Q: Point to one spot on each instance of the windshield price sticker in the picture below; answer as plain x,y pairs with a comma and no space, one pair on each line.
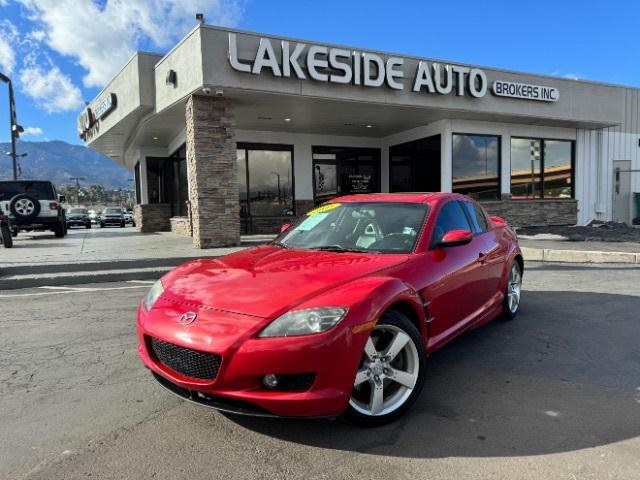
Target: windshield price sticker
323,209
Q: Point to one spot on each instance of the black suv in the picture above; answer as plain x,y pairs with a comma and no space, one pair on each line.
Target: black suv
78,217
112,216
33,205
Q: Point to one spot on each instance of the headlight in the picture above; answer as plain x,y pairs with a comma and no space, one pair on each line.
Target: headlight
153,295
304,322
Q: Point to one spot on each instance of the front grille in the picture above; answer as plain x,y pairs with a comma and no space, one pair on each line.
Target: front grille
185,361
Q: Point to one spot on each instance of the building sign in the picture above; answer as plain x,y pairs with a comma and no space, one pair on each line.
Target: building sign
525,91
105,107
87,121
342,66
337,65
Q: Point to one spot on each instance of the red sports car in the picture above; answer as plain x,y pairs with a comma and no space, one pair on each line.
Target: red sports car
338,315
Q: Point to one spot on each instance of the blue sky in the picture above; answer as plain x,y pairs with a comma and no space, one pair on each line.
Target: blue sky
59,53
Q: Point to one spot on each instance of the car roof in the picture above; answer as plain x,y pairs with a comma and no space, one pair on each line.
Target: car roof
409,197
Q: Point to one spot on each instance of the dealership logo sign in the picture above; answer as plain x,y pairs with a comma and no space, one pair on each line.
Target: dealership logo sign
337,65
525,91
341,66
87,121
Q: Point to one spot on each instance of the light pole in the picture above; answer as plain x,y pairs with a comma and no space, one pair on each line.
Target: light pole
18,155
16,129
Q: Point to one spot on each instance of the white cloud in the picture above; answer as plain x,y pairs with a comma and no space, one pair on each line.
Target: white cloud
571,76
32,132
8,34
7,57
51,89
102,36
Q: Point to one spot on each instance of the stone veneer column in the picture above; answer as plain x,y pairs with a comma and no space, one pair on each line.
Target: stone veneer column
212,172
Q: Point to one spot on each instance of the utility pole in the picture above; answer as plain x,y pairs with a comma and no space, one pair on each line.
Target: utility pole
16,129
77,179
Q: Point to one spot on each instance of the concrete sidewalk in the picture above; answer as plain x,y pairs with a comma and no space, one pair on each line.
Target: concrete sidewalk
100,255
552,249
106,245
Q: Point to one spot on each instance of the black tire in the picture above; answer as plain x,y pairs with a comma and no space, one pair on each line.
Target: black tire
58,230
7,238
101,225
88,226
18,203
509,313
14,232
397,321
122,225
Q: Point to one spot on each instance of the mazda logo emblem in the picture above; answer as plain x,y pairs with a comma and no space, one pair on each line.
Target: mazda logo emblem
187,318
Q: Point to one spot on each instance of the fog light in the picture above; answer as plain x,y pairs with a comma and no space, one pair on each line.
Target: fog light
270,380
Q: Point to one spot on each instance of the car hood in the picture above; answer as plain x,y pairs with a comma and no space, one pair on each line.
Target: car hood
266,281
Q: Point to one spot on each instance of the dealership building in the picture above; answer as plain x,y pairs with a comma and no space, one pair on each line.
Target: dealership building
235,132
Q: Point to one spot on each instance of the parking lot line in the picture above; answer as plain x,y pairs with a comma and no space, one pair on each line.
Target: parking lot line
59,290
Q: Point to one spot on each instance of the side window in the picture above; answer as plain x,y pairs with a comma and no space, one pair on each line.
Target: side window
476,216
481,217
451,217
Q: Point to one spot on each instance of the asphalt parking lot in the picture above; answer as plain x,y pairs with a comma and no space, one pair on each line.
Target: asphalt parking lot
554,394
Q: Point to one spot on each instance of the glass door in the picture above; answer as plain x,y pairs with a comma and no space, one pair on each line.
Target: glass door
344,171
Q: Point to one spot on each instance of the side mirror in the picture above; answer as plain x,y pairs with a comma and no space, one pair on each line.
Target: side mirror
62,198
455,238
284,227
498,220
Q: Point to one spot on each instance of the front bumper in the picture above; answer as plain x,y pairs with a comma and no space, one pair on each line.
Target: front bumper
112,221
332,356
78,222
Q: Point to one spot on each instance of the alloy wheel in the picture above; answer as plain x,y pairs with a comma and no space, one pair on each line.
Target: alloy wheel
388,372
24,207
514,288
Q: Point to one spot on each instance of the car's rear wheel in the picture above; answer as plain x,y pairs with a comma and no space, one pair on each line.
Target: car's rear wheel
391,373
7,238
513,293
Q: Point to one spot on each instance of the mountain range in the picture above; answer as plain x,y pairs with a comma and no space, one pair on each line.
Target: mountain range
59,161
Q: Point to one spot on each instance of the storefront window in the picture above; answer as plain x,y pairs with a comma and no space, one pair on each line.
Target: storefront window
476,166
541,168
415,166
265,178
526,162
558,172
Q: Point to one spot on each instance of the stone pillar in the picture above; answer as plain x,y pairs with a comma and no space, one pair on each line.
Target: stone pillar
212,172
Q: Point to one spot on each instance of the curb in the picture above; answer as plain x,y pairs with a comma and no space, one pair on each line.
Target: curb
15,282
578,256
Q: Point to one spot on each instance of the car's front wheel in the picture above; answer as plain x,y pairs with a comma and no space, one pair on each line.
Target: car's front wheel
391,372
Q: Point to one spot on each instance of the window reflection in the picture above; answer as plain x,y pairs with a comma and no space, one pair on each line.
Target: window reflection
526,157
557,169
265,181
541,168
475,166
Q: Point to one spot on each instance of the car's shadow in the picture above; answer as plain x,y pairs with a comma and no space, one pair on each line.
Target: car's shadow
563,376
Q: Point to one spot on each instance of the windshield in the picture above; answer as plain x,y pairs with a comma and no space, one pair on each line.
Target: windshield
112,211
78,211
38,190
376,227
